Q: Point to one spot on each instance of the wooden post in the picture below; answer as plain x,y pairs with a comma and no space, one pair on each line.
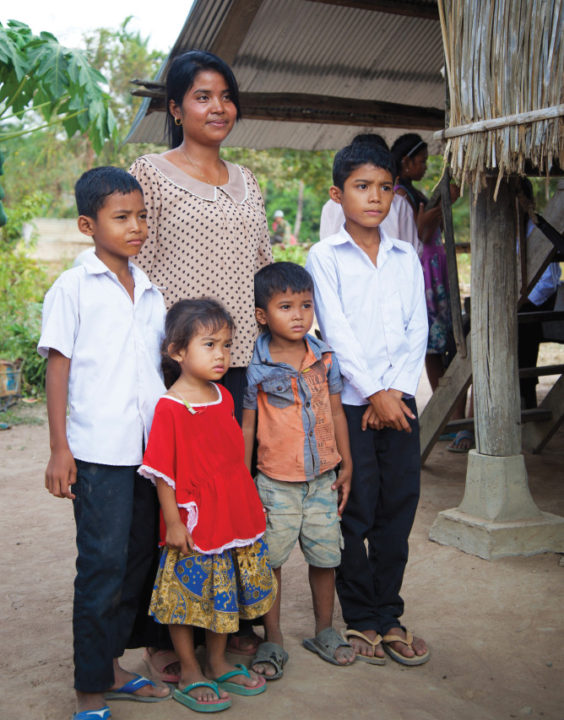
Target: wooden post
494,322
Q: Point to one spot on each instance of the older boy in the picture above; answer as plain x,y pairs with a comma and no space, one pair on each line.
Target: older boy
102,327
370,305
294,386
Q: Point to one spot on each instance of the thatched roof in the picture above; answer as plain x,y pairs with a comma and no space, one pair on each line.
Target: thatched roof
505,68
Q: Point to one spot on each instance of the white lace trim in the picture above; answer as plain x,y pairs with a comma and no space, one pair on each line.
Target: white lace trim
232,544
152,475
192,519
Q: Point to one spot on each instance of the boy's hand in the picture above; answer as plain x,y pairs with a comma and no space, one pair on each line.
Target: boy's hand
60,474
343,486
371,420
177,536
390,409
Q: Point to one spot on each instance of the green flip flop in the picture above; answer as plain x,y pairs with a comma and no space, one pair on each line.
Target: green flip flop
235,688
182,697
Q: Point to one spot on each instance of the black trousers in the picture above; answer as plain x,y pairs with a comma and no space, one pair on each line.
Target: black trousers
528,341
380,510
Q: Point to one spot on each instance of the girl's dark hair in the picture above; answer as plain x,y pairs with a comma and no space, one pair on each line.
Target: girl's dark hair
182,75
407,145
351,157
278,278
184,319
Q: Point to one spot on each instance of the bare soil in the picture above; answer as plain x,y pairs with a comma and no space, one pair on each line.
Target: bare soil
495,628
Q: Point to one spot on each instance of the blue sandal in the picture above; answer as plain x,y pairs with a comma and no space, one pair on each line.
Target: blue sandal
237,689
101,714
127,691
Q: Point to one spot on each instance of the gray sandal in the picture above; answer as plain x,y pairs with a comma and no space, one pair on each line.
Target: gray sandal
269,652
325,644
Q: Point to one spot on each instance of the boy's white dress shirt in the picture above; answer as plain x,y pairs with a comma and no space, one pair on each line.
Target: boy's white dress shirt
373,317
114,347
398,223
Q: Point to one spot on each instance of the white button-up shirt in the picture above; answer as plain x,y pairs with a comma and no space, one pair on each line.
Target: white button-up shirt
373,316
114,346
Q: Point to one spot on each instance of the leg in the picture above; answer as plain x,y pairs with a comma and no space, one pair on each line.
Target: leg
217,665
190,671
322,584
435,369
272,630
102,510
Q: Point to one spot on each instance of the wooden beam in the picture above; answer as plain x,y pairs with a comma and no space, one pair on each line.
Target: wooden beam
536,436
395,7
298,107
234,29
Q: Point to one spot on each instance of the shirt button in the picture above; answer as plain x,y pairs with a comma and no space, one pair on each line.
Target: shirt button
279,387
308,404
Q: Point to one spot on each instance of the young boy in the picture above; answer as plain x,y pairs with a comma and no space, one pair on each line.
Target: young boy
294,387
370,304
102,326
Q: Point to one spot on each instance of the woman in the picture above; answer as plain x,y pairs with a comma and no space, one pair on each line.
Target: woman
410,154
208,232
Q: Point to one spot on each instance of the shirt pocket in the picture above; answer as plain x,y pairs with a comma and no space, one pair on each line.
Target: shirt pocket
279,392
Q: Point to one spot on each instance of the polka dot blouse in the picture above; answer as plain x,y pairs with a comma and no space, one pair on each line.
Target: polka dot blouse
205,241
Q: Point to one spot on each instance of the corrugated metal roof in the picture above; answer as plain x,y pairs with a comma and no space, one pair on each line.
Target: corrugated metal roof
296,46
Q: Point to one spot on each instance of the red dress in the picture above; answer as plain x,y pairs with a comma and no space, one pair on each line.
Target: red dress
200,452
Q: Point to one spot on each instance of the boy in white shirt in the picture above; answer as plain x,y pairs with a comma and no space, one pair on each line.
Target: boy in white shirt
370,304
103,323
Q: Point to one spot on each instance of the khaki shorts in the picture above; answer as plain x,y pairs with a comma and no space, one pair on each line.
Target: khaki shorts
304,511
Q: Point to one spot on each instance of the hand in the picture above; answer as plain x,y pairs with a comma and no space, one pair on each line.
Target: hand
60,474
178,537
391,410
371,420
343,486
454,191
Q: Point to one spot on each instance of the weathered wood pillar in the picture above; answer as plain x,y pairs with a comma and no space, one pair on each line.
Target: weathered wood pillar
497,516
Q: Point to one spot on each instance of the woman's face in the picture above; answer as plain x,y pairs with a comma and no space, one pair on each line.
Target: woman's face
416,166
207,111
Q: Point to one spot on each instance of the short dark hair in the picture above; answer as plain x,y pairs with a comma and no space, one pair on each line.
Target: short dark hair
408,145
280,277
94,186
370,138
182,75
184,319
356,154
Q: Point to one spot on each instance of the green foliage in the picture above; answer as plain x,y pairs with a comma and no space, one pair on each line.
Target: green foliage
22,286
24,212
44,84
290,253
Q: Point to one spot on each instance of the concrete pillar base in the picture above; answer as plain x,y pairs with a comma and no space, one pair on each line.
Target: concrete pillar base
492,540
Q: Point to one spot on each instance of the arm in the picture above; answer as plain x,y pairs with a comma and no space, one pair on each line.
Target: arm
249,426
60,474
177,535
343,482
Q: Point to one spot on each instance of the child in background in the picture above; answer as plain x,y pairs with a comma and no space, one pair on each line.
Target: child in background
294,387
214,565
102,327
370,304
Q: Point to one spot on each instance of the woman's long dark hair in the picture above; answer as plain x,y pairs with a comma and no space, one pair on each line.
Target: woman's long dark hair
182,75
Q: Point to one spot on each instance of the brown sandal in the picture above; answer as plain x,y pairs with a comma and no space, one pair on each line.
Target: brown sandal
407,640
370,659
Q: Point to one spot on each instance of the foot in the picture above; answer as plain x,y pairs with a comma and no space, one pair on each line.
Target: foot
220,667
463,442
121,677
361,647
201,694
163,664
418,646
244,644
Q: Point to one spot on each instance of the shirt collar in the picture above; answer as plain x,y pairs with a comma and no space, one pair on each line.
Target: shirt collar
235,187
94,266
315,347
386,241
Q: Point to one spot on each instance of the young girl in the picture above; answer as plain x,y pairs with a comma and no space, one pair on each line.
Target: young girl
214,566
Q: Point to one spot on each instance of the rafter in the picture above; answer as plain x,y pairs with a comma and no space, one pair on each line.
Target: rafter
411,8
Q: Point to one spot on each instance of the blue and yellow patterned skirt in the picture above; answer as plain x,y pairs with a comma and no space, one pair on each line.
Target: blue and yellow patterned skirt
213,591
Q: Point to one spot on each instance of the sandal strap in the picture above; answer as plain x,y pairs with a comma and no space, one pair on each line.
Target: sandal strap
209,684
240,670
392,637
357,633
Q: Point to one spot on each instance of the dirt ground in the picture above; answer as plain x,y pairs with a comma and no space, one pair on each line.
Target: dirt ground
496,629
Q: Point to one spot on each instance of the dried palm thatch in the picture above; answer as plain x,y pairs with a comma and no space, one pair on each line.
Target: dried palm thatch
505,67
